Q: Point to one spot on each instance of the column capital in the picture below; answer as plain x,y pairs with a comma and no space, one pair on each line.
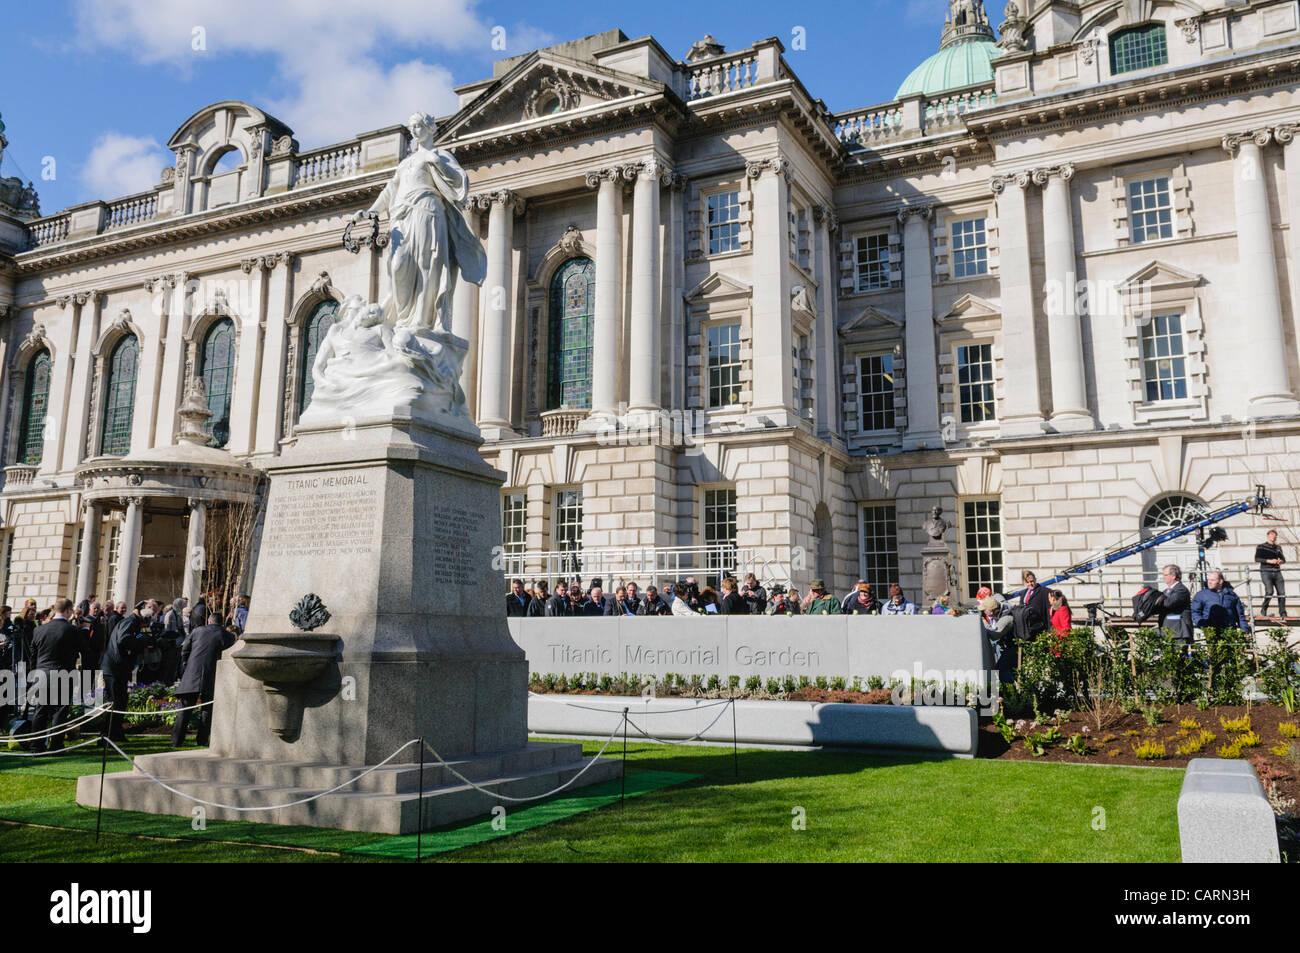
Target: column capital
755,168
1043,174
825,216
511,199
1020,180
612,174
908,211
1286,133
266,262
194,502
1234,140
131,500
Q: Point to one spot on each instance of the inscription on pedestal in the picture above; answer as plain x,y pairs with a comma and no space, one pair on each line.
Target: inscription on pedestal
455,535
326,515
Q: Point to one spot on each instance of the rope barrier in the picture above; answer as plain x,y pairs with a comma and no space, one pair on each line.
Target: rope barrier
40,754
271,807
36,735
698,736
536,797
670,711
90,716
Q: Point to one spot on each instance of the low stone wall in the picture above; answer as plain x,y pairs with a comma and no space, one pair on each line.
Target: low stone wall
928,729
1223,815
767,646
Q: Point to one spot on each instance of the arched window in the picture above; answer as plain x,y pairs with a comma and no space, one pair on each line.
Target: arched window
36,401
1138,47
568,377
218,378
1170,512
313,332
119,397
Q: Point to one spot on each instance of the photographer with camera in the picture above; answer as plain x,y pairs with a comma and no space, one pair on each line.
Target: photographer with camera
754,594
781,603
134,635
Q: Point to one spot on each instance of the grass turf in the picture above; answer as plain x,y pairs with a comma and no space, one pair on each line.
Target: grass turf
854,808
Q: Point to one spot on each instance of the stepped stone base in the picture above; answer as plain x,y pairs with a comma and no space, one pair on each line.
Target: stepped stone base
385,801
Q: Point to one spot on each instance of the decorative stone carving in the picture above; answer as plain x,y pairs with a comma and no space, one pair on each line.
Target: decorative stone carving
936,559
704,48
1191,28
321,286
571,241
551,95
1285,134
310,613
168,175
756,167
1233,141
801,300
283,146
35,338
1088,50
1043,173
907,211
1012,30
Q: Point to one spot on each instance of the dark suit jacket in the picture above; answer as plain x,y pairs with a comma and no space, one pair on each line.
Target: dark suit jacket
517,606
1041,603
56,645
1178,607
199,655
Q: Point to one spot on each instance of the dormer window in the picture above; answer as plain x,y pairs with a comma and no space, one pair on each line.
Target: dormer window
1139,47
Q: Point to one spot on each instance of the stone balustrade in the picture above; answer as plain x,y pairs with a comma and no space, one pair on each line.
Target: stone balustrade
48,230
860,128
562,422
131,210
864,126
332,162
20,474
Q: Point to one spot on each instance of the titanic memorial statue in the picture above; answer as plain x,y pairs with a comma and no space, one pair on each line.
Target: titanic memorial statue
368,636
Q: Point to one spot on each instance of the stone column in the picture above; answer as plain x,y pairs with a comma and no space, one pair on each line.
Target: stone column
643,376
64,337
244,401
83,369
922,374
826,365
195,556
1065,337
89,555
1288,137
771,340
464,323
276,365
169,356
494,398
607,311
1023,414
128,553
1257,304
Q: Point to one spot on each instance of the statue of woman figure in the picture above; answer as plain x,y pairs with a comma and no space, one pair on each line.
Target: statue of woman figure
430,244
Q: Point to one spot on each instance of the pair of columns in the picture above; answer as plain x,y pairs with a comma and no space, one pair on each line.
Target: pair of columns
1258,305
493,374
128,554
1070,413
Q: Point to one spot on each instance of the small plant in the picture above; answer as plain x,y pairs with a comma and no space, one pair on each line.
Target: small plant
1004,727
875,682
1189,724
1230,749
790,684
857,683
838,684
1107,738
1235,725
1152,715
753,683
804,681
1113,752
1035,745
773,686
1077,744
821,682
733,682
1281,749
1203,703
1052,735
1249,740
1132,733
548,682
1288,729
714,683
1190,746
1149,750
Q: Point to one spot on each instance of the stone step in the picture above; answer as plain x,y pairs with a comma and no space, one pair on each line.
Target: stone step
389,779
382,812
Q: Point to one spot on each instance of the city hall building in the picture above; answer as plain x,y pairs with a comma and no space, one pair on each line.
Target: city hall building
1051,287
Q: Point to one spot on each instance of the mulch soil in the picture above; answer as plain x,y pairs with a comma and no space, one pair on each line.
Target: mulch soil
1114,741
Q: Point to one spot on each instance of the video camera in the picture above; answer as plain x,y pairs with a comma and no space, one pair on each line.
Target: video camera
776,589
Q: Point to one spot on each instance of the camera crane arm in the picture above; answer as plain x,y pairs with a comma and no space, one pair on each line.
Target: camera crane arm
1258,503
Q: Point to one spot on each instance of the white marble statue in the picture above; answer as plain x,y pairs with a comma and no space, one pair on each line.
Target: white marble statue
399,357
429,241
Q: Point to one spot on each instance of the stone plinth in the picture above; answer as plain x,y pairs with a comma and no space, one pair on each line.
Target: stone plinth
391,525
1224,816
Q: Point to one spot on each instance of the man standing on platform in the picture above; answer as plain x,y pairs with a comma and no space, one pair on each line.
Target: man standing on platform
1269,556
55,648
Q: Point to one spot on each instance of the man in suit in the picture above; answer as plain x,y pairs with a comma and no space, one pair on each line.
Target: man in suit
55,648
558,604
1176,605
199,614
518,600
125,644
199,656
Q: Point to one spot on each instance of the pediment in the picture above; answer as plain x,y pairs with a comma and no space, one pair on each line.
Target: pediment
970,306
870,318
542,85
718,285
1157,274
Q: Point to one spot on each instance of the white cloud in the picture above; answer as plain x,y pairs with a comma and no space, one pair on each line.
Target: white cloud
120,165
334,61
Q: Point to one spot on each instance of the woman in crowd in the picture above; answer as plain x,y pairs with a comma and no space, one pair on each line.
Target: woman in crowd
1060,613
733,603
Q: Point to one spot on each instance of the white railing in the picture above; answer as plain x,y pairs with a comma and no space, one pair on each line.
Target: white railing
47,231
725,74
19,474
332,162
562,422
946,111
646,566
864,126
131,210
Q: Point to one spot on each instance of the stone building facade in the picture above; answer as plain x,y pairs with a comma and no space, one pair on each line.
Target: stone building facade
1052,287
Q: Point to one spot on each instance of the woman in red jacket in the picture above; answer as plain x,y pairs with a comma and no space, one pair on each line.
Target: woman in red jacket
1060,613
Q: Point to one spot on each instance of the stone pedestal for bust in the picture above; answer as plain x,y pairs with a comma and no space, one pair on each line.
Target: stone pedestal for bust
391,524
936,571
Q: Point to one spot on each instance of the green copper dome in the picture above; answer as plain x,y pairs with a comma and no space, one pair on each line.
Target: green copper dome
963,63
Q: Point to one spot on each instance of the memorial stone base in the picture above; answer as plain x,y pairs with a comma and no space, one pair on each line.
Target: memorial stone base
376,618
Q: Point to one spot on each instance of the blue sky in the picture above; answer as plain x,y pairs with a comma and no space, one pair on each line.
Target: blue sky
94,88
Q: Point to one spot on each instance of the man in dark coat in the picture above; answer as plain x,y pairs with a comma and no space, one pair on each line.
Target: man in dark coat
55,648
199,614
518,600
558,604
199,655
652,604
1176,606
1217,606
123,650
537,608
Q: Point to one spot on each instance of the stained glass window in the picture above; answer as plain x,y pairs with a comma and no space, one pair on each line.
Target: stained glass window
568,376
119,403
218,378
35,404
318,324
1138,48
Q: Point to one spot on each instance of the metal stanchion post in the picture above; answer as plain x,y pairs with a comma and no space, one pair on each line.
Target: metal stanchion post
735,749
622,794
419,824
103,768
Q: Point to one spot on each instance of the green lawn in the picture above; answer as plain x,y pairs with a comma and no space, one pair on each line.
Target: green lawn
854,808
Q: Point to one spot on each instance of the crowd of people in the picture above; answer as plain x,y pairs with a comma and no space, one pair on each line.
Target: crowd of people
687,598
176,645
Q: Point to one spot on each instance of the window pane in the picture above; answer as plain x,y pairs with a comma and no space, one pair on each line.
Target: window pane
1140,47
1164,366
31,444
969,252
119,402
724,222
724,364
568,373
313,333
975,399
873,261
879,541
876,392
982,555
1150,210
719,531
218,378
